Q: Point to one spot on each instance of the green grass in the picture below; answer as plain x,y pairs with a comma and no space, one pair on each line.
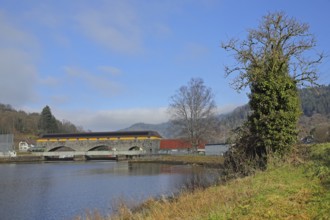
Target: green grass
286,191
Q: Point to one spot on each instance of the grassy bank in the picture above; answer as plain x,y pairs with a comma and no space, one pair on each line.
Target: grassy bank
289,191
214,161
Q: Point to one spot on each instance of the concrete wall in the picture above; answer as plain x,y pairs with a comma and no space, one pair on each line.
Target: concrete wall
216,149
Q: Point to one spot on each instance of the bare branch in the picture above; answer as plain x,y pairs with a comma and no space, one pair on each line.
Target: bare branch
192,109
276,35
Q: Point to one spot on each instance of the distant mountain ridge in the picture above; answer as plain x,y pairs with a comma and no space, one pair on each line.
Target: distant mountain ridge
163,128
226,121
313,101
315,104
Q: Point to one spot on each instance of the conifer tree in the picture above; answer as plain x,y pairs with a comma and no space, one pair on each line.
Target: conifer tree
47,122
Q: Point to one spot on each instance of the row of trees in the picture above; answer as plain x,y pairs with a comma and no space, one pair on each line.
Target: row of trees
20,122
272,63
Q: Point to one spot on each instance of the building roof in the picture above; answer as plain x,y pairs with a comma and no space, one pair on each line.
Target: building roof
104,134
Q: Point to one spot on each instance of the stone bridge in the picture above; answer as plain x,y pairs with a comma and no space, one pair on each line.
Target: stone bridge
143,141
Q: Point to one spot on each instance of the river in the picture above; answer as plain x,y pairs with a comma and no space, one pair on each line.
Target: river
64,190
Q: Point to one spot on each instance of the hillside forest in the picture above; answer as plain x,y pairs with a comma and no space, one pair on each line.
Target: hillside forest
28,126
314,121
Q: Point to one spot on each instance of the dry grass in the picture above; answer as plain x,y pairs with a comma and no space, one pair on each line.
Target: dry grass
289,191
195,159
279,194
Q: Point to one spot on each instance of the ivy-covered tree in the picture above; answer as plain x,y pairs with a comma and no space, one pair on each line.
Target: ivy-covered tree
276,109
47,122
272,63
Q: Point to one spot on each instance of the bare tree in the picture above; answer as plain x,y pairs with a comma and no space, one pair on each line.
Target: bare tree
280,36
192,111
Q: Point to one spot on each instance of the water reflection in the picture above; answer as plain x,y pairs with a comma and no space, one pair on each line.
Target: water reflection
156,169
65,190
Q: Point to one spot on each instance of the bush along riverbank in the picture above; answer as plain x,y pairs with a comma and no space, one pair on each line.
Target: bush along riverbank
296,189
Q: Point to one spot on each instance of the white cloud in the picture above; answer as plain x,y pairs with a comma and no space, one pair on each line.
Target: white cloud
75,71
45,14
18,74
110,120
115,26
192,52
110,69
14,37
227,108
97,82
49,81
161,30
18,77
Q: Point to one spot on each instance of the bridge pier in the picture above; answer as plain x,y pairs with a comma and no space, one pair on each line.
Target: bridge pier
90,155
79,158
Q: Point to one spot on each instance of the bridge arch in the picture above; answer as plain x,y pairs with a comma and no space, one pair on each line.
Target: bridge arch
101,148
61,148
135,148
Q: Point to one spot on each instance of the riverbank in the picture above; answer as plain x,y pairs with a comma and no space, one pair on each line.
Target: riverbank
297,189
21,158
28,157
199,160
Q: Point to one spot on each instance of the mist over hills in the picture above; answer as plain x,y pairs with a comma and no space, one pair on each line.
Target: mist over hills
163,128
315,120
315,106
225,123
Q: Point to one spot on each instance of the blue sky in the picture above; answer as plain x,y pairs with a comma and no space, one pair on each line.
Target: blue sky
106,65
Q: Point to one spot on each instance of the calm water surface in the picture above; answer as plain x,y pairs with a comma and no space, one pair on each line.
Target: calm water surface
67,189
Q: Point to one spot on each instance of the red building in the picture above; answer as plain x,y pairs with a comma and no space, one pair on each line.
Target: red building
177,145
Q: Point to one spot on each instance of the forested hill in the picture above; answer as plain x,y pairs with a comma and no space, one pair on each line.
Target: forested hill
32,124
314,122
315,100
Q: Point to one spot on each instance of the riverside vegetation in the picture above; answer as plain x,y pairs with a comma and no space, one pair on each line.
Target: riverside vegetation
298,188
209,161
